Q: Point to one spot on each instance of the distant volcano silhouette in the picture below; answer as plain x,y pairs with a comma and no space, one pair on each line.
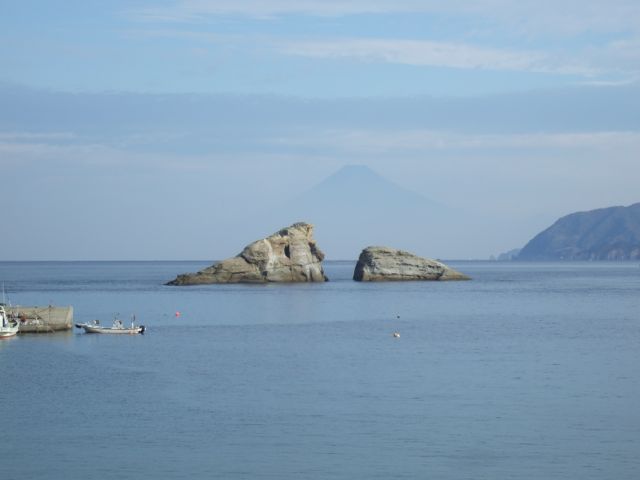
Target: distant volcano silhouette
359,186
355,207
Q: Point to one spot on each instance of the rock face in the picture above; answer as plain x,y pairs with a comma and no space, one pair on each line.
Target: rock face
605,234
290,255
384,263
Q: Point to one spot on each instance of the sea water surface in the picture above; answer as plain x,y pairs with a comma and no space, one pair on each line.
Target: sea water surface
529,371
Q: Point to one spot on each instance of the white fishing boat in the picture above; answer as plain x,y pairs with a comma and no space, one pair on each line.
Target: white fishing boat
8,326
117,327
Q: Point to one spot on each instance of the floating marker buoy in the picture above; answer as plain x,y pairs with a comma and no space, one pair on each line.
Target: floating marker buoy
177,314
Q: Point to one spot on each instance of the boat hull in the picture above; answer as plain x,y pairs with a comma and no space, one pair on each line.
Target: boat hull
111,330
9,331
8,326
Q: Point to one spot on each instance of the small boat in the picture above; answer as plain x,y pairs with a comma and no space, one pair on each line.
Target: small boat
8,326
117,327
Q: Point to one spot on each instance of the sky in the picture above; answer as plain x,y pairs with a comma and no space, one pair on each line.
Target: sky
162,130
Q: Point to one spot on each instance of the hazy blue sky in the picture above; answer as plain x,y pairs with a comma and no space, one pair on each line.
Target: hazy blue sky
159,130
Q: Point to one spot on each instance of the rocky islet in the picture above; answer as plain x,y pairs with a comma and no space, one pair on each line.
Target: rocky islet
292,255
377,264
289,255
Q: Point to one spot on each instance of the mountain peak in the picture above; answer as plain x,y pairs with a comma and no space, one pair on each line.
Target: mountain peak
354,173
355,205
355,169
362,184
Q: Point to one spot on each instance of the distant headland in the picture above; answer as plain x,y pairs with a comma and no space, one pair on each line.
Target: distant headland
604,234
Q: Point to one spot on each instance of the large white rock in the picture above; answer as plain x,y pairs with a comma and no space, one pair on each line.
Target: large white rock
289,255
384,263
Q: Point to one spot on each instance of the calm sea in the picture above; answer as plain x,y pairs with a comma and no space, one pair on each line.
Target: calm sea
530,371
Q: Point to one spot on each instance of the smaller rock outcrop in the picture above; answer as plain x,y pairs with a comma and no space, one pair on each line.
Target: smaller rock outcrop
385,264
289,255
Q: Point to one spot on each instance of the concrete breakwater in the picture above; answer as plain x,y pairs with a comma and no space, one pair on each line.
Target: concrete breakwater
45,319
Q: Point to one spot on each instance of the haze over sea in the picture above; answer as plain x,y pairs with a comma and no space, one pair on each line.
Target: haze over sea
529,371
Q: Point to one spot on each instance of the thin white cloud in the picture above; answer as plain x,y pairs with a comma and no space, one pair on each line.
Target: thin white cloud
611,54
565,17
367,141
197,10
36,136
16,153
406,52
439,54
623,55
